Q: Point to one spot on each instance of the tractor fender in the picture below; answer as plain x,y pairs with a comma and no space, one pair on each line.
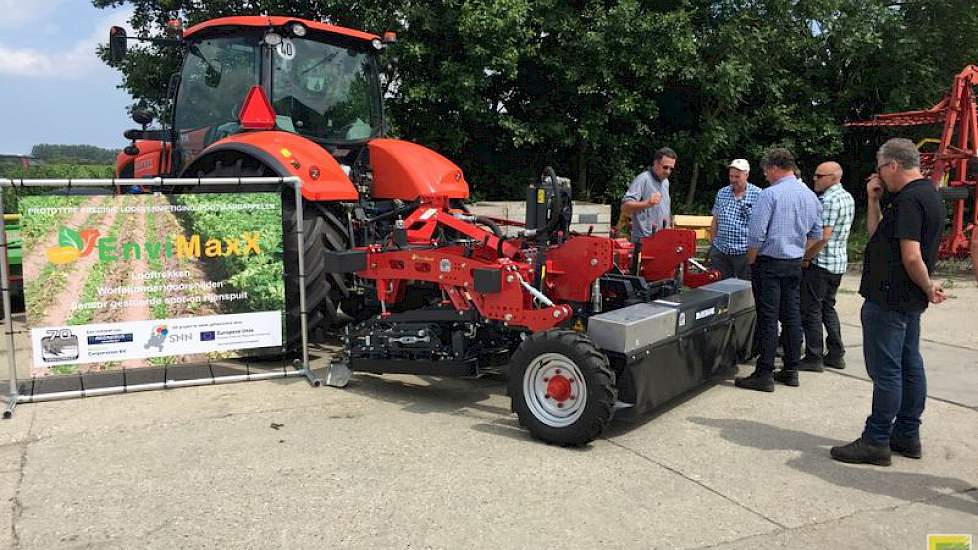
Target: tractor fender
287,155
153,160
124,165
405,170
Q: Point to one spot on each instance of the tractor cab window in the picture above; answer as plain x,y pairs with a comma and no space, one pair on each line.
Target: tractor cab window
217,75
325,92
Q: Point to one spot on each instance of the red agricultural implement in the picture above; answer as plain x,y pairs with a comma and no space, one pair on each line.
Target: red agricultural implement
957,151
582,325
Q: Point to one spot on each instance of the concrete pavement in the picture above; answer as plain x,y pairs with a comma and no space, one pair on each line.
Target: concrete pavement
407,462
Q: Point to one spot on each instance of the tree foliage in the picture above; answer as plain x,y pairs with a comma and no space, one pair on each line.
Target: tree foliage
505,87
73,154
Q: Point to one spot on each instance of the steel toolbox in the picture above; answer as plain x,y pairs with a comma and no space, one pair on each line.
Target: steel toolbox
743,316
664,349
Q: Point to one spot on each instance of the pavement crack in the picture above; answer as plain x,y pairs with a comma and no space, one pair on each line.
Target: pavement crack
18,507
934,397
697,482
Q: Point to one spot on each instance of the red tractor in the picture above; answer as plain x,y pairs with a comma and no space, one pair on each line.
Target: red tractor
280,96
582,325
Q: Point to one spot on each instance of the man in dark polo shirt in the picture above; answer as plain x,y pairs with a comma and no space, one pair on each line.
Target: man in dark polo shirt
900,255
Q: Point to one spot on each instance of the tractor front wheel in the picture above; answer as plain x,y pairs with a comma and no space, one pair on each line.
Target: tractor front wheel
562,387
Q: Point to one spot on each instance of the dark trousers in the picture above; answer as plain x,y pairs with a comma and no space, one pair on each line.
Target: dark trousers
891,348
818,289
730,265
776,285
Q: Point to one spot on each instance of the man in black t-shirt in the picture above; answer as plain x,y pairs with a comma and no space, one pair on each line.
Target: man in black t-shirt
900,255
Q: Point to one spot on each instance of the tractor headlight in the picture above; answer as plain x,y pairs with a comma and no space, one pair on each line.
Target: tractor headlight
377,44
298,29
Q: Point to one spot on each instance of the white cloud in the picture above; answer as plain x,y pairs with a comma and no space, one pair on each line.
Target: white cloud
78,61
19,12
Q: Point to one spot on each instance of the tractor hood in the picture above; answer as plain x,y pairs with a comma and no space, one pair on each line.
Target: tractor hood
406,171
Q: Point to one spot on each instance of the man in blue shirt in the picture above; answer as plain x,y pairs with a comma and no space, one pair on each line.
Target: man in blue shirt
785,221
731,212
647,200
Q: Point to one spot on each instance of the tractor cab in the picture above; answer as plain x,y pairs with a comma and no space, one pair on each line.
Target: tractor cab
321,81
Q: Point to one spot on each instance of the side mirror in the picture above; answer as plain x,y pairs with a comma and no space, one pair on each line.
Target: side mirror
117,45
143,117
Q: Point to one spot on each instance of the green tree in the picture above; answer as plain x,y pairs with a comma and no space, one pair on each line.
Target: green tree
505,87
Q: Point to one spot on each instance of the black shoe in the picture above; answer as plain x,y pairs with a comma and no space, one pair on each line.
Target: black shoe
861,451
787,377
909,447
810,364
756,381
834,362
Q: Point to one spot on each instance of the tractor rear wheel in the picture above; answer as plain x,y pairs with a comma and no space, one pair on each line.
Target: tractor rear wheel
323,230
562,388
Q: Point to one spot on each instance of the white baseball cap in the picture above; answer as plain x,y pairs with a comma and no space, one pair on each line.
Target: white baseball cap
740,164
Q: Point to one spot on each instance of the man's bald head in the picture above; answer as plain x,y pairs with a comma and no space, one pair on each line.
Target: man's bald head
827,174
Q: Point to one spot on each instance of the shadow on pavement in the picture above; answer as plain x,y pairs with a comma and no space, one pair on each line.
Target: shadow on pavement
960,495
434,395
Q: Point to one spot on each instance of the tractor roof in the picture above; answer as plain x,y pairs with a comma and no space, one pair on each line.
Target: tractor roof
275,21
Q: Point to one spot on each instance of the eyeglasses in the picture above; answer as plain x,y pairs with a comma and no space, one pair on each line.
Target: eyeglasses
880,167
822,175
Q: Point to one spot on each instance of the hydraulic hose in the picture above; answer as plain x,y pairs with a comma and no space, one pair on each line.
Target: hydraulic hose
558,201
491,225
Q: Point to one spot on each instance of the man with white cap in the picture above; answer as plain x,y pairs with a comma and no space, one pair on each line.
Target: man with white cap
731,212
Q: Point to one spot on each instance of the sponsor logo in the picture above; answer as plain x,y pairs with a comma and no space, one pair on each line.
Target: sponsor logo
161,335
58,346
74,244
949,542
207,336
157,338
110,339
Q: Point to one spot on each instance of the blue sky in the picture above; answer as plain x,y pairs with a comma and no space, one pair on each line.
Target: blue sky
53,88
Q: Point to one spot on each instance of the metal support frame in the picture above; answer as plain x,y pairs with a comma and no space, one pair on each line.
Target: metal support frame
301,365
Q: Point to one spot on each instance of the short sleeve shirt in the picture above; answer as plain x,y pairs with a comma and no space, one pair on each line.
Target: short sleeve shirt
645,222
732,215
916,213
838,211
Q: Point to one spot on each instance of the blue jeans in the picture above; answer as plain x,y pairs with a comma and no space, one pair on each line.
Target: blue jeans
891,348
777,297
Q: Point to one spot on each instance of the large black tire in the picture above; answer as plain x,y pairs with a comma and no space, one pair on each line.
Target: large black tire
562,387
323,230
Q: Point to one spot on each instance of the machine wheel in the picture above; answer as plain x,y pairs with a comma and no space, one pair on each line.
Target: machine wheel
323,230
562,387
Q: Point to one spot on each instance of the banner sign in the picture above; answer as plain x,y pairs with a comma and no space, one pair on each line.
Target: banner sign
139,280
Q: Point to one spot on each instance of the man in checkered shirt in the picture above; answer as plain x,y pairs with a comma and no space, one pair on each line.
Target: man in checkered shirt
826,261
731,212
